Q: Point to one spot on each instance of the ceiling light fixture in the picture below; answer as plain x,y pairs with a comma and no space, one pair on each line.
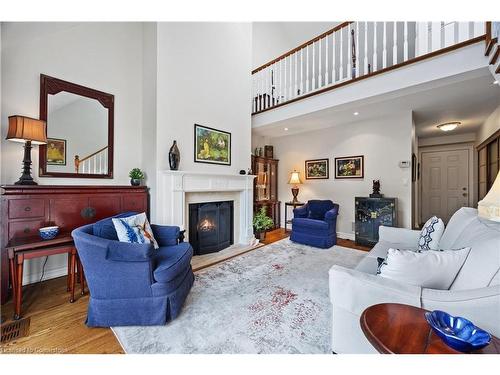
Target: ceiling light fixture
285,129
495,82
449,126
356,113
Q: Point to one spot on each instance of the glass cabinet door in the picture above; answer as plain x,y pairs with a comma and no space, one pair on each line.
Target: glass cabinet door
262,185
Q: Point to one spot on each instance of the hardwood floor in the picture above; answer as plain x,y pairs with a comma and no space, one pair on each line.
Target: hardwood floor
57,326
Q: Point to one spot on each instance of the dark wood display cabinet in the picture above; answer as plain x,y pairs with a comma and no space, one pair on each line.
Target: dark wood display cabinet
266,187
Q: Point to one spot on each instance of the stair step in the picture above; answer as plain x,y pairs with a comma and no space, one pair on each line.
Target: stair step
489,47
494,58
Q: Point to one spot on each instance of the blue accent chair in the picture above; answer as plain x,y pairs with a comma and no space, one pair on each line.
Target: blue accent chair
315,224
133,284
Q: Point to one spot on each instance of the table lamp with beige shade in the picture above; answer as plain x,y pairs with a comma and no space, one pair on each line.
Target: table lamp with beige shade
30,131
295,181
489,207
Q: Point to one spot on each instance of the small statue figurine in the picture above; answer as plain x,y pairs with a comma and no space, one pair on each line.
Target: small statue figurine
376,190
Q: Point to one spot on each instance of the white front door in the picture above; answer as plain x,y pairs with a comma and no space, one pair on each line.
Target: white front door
445,183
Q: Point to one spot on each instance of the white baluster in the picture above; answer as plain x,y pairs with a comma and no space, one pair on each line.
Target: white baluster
366,49
307,69
95,165
327,68
291,78
302,71
405,43
395,45
334,48
313,67
429,37
349,52
341,55
285,81
375,57
296,76
100,163
320,78
471,29
384,46
441,35
455,32
436,36
281,82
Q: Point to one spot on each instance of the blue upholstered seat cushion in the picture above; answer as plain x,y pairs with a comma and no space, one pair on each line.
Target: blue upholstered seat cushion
304,223
105,229
172,260
318,208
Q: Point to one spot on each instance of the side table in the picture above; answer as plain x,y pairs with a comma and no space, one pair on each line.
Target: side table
394,328
294,205
20,250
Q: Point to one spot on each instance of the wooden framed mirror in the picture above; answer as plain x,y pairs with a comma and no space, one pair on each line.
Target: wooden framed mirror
79,130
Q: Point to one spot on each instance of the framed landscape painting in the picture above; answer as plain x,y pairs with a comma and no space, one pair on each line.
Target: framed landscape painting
350,167
317,169
211,145
56,151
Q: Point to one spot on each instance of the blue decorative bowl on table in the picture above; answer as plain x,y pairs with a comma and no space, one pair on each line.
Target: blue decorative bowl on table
48,233
457,332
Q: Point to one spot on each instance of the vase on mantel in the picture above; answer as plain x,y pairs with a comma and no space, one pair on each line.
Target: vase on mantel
174,157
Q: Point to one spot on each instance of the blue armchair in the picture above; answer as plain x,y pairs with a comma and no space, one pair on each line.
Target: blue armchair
315,224
133,284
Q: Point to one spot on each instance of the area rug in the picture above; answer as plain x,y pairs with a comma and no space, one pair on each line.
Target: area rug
270,300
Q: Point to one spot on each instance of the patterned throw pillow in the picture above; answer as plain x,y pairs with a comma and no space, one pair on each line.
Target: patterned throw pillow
431,234
134,229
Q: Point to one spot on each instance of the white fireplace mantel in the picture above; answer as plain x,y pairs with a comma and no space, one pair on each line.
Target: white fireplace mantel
174,185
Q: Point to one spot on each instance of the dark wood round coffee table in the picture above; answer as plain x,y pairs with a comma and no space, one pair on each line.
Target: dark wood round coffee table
393,328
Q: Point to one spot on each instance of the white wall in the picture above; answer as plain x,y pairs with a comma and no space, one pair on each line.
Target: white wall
383,142
490,126
203,78
103,56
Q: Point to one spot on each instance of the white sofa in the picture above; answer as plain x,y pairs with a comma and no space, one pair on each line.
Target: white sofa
474,294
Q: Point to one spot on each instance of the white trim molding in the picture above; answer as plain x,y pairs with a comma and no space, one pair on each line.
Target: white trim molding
174,185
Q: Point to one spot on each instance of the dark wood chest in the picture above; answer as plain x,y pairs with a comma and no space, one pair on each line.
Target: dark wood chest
25,209
370,214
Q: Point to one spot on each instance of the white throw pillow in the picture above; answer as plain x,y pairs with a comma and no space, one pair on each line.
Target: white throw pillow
431,234
429,269
134,229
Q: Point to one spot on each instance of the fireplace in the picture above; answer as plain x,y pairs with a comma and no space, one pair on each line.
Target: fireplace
211,226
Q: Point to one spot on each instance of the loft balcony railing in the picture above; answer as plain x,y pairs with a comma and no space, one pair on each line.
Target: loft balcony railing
352,51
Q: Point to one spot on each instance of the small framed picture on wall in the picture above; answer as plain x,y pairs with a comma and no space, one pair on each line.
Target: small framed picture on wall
317,169
350,167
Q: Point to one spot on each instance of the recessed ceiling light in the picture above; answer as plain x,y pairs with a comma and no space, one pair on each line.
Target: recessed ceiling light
356,113
449,126
285,129
495,82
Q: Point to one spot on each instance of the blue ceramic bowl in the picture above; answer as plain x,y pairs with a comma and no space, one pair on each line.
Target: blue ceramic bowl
457,332
48,233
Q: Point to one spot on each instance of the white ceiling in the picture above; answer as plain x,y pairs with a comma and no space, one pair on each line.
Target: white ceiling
465,99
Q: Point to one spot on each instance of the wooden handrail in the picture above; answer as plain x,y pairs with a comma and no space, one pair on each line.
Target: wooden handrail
78,161
303,45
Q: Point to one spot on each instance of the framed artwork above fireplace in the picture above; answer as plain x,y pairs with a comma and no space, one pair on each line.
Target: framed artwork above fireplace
211,145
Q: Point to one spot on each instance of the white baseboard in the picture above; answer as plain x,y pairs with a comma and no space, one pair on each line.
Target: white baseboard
49,274
346,236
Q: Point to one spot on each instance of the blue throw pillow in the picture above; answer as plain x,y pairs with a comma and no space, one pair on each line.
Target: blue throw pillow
105,229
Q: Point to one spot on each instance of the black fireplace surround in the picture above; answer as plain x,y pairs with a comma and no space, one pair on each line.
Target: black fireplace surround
211,226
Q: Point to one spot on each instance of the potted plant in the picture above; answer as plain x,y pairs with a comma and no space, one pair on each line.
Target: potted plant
261,223
136,176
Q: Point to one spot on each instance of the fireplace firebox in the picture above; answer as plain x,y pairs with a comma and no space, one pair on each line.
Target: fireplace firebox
211,226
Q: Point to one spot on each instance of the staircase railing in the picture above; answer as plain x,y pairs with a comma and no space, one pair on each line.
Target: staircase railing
352,51
95,163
